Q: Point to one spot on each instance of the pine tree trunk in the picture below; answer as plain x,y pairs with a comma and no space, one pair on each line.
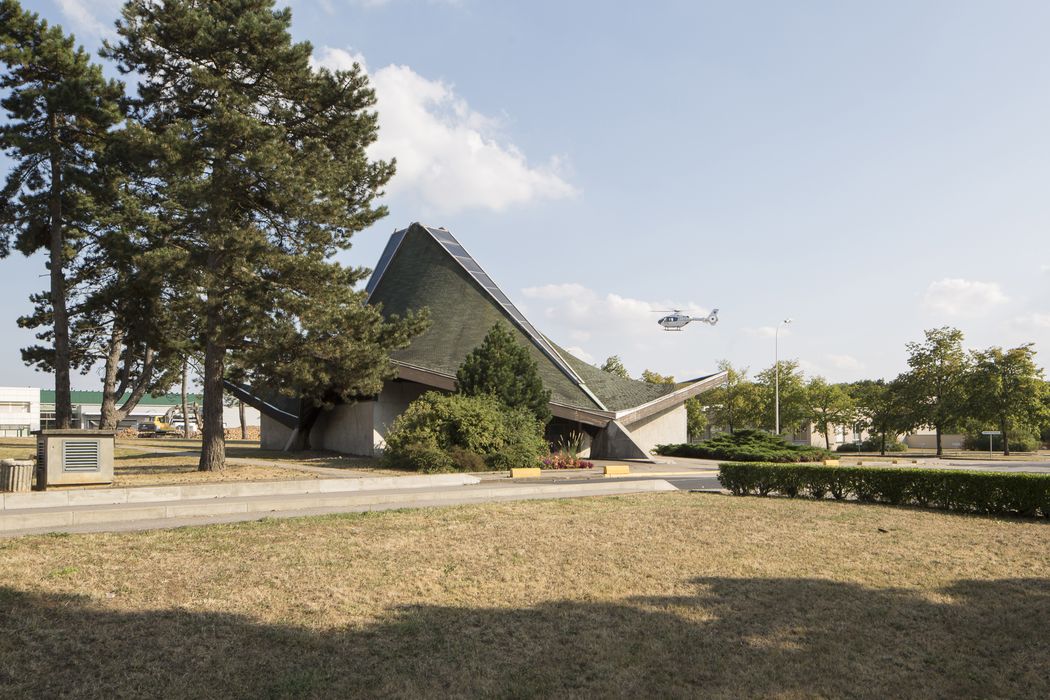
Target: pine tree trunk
139,387
60,319
213,442
185,406
244,424
108,419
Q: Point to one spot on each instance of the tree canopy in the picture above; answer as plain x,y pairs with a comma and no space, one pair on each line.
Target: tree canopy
934,387
260,174
60,110
613,365
1006,390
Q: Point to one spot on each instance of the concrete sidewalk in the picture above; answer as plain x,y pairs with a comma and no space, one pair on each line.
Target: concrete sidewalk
86,510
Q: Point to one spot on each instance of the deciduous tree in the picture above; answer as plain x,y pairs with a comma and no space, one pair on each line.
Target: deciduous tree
830,406
934,387
1005,389
794,404
733,405
652,377
615,366
880,409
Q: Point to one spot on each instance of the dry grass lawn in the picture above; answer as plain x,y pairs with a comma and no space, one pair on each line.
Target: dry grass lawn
642,596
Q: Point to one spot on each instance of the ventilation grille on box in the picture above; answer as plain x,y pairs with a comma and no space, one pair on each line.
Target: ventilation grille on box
80,456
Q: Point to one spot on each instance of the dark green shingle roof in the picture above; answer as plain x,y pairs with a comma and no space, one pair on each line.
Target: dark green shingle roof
422,273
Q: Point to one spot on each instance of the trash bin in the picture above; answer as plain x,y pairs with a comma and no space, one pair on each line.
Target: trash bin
16,475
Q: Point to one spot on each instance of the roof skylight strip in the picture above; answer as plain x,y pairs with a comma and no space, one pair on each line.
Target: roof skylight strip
384,260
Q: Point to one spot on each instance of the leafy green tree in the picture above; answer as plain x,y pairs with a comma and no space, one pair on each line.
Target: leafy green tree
733,405
880,409
652,377
502,367
830,406
934,388
259,174
60,110
1005,389
794,403
696,418
613,365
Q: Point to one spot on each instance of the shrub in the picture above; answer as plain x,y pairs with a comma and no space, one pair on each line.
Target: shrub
873,444
1020,441
442,432
993,493
746,446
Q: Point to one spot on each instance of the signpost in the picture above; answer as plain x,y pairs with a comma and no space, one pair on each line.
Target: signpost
990,434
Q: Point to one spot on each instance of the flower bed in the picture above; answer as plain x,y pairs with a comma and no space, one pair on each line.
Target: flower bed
559,460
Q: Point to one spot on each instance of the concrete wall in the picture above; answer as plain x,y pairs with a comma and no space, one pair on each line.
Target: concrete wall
667,427
924,440
346,428
274,435
353,429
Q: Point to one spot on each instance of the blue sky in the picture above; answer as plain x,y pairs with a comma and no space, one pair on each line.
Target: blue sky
867,169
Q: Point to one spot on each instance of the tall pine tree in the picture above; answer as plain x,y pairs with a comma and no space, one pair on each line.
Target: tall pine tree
60,110
261,174
503,367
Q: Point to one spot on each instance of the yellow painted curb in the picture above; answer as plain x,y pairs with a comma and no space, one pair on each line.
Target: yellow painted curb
524,472
616,469
831,463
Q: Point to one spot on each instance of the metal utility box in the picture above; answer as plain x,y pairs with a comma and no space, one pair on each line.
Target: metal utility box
70,457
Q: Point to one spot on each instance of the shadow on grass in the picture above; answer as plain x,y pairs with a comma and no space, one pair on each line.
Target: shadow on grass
733,637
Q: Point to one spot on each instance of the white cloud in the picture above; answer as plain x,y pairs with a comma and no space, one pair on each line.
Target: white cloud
844,361
1032,320
959,297
448,154
608,324
581,353
767,331
83,16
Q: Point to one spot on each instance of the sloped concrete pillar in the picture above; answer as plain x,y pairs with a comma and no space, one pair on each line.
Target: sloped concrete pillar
615,441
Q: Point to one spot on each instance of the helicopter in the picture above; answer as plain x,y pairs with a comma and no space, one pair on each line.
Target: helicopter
676,321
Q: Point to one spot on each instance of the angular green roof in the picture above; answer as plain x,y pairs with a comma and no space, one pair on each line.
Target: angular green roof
425,267
95,398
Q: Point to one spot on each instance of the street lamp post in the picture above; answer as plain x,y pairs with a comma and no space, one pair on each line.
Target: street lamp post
776,370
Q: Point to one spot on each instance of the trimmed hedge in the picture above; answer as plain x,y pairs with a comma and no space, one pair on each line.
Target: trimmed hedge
873,445
993,493
746,446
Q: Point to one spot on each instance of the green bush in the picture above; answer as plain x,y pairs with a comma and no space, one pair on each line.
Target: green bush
993,493
1020,441
746,446
442,432
873,444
